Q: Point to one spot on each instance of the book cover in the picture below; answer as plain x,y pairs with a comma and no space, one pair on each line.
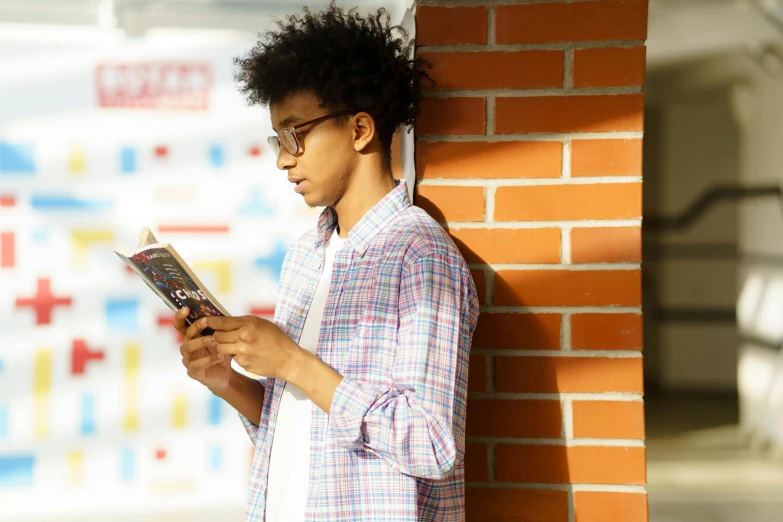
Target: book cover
169,276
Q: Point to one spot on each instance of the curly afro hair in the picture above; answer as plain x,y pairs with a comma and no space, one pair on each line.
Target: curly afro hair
348,61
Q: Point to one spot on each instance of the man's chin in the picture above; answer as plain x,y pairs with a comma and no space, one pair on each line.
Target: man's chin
315,200
312,200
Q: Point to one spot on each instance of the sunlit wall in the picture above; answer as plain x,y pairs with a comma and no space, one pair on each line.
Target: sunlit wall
759,102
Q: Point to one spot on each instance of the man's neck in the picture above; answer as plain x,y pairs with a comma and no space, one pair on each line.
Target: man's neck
363,195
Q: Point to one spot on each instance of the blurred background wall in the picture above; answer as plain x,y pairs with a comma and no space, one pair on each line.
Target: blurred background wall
113,116
712,263
712,204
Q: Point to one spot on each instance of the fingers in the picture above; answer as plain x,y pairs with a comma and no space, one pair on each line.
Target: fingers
230,348
197,366
226,324
179,320
226,337
194,330
189,349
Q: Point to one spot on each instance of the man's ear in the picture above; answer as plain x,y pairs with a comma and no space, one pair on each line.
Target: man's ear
363,130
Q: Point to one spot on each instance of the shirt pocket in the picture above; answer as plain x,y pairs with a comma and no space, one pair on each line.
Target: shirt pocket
291,314
375,320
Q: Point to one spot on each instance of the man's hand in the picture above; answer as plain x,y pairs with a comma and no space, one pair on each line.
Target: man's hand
258,345
204,364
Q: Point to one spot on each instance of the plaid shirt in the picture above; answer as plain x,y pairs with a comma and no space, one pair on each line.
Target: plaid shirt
398,323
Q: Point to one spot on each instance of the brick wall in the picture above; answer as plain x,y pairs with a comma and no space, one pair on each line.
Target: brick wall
529,151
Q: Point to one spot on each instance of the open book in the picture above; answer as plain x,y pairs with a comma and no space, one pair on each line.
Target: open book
169,276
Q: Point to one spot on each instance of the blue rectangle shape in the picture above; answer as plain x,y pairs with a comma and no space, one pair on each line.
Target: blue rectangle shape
122,314
68,203
3,422
126,466
128,160
16,158
216,458
88,414
215,405
16,470
216,156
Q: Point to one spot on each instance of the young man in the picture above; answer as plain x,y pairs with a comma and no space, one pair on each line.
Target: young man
362,417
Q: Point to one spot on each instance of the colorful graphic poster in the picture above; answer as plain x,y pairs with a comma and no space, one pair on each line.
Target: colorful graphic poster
97,415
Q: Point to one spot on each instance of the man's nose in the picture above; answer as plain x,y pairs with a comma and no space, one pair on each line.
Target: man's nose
285,160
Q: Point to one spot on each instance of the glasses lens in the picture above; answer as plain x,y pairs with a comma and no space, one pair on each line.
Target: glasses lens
275,144
288,141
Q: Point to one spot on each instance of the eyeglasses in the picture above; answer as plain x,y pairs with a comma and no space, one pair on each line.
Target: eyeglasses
286,138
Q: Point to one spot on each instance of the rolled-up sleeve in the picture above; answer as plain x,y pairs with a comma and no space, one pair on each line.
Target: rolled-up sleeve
250,428
417,423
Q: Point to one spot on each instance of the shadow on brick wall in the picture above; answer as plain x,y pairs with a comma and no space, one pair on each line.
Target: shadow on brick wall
511,439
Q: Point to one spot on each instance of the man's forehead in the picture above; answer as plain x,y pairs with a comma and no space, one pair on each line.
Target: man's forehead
294,108
287,121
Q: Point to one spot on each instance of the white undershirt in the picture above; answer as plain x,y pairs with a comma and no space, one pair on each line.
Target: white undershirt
289,465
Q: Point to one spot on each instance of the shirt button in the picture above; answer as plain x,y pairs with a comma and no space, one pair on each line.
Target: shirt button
299,313
318,266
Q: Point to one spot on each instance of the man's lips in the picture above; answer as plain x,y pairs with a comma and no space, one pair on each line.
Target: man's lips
299,184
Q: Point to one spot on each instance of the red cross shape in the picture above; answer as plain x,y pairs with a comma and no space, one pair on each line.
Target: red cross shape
43,302
80,355
168,320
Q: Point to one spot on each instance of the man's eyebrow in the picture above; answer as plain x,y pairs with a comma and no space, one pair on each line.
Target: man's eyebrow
288,121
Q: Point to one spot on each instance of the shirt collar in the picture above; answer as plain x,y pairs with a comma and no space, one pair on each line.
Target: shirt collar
362,234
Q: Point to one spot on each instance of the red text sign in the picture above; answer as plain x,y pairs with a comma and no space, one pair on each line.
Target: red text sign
154,85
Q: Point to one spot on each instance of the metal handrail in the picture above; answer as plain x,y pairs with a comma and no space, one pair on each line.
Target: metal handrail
706,200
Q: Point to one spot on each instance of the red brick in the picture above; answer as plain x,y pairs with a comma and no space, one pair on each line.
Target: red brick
495,70
606,332
567,288
477,374
517,332
606,245
514,418
452,203
437,25
476,463
598,113
552,464
568,374
451,116
515,505
609,66
508,245
608,419
569,202
505,159
571,22
604,506
606,158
